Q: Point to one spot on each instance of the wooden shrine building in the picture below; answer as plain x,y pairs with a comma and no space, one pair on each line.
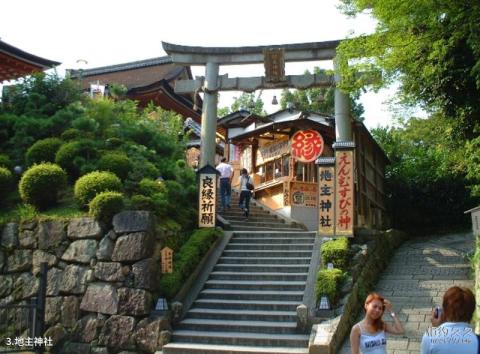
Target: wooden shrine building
16,63
150,80
263,145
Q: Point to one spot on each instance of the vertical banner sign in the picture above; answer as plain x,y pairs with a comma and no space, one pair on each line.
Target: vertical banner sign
326,201
207,196
167,260
344,188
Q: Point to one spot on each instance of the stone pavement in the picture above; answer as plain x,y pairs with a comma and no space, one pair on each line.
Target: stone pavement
415,281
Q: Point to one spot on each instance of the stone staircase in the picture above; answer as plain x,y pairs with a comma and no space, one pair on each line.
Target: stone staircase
259,219
248,304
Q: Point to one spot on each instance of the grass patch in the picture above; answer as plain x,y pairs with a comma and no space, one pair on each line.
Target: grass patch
186,260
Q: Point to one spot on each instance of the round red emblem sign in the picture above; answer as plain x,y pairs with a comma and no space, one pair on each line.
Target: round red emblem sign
307,145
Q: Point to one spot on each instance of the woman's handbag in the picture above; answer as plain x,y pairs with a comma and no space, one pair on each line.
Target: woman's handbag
249,185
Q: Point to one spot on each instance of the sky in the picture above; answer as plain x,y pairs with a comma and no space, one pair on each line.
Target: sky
107,32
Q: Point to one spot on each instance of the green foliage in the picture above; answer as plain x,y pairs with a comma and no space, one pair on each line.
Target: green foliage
41,184
328,284
77,157
149,187
472,161
5,161
93,183
72,134
6,181
105,205
319,99
431,47
117,163
336,252
142,202
246,101
426,182
187,259
43,151
40,95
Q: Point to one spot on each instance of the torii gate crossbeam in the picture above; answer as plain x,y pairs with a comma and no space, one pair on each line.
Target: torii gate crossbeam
274,58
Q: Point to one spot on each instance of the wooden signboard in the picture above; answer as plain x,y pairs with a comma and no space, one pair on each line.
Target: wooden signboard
167,260
344,188
207,198
307,145
326,201
303,194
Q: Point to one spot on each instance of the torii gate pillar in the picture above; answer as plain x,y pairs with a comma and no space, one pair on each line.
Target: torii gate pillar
209,116
343,125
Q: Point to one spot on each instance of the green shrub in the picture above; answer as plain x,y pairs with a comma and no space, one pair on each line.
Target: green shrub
187,259
41,183
117,163
149,187
89,185
113,143
43,151
5,161
328,283
75,156
336,252
6,180
105,205
142,202
72,134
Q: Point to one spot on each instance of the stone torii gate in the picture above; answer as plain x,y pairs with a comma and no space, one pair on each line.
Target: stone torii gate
274,58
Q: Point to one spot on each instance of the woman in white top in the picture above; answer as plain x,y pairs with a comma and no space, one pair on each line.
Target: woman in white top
368,336
451,332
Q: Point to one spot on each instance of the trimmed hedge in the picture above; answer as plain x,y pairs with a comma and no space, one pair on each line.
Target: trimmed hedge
6,181
117,163
41,183
142,202
105,205
43,151
328,283
187,259
336,252
76,156
149,187
89,185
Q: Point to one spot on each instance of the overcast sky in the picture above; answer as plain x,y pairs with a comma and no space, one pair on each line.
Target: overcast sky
106,32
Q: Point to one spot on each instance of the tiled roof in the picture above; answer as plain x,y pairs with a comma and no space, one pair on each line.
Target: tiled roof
122,67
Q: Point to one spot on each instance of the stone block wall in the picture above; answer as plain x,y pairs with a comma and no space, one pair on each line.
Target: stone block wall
101,283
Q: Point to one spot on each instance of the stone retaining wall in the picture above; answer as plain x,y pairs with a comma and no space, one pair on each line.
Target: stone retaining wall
369,261
102,283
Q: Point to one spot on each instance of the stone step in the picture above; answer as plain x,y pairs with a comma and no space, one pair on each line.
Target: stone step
260,223
258,276
266,253
246,227
225,259
201,324
254,218
242,315
268,234
239,212
234,294
241,338
259,305
197,348
290,268
268,246
255,285
271,240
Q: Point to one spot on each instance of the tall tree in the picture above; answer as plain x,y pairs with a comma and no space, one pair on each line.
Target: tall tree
432,47
247,101
319,99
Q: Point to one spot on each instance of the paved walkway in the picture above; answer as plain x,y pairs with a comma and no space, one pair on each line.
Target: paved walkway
416,279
